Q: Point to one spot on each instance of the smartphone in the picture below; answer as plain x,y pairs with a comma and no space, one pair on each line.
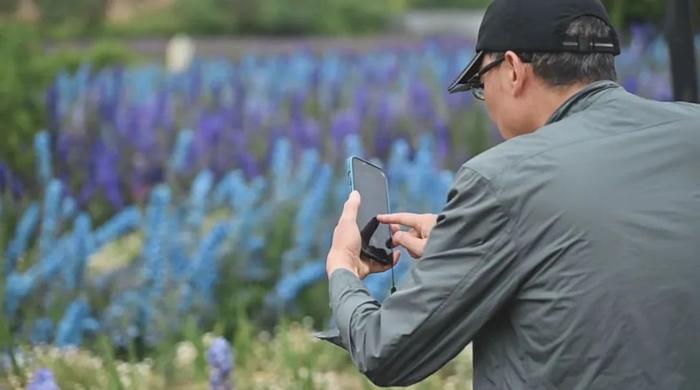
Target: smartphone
371,182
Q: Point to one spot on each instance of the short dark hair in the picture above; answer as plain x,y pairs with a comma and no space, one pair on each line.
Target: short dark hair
564,68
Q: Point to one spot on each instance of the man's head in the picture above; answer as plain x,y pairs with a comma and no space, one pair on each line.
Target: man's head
532,55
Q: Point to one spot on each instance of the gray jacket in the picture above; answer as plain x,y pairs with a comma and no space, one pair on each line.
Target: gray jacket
570,257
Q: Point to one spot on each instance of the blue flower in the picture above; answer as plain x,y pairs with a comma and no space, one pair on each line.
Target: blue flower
205,264
71,327
291,285
82,245
311,209
307,167
52,263
178,160
353,146
155,248
125,317
18,245
42,331
68,208
198,197
17,287
120,224
42,148
51,218
281,167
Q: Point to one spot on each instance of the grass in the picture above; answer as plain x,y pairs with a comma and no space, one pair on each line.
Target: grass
288,358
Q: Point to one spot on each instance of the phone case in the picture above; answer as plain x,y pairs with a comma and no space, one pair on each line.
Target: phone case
367,231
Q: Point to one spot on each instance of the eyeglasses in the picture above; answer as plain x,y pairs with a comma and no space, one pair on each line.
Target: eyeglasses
475,83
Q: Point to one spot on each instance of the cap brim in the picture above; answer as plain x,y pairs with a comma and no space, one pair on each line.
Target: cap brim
460,84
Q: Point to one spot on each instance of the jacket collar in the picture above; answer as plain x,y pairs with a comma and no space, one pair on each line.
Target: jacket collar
581,100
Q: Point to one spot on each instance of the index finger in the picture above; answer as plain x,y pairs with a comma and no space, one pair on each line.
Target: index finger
406,219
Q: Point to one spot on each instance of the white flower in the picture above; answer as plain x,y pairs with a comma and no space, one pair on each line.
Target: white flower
179,53
185,354
207,338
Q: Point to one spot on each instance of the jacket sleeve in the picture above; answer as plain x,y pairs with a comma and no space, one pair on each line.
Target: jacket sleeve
467,274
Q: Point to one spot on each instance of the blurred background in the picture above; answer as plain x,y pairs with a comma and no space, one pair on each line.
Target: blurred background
171,172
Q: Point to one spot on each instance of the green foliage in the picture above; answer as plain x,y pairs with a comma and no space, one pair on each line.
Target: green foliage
79,17
151,24
288,358
26,71
8,6
319,16
208,17
107,353
23,79
450,3
268,17
624,12
108,53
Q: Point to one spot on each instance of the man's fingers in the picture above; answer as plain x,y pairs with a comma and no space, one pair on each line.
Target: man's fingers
351,207
412,243
406,219
394,227
376,266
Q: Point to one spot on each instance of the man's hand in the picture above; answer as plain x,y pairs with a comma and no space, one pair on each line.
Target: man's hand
345,250
414,239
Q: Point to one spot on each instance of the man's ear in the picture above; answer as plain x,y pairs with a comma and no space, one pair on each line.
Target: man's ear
517,73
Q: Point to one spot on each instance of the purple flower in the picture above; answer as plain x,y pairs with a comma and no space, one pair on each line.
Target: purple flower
344,124
221,364
4,176
43,379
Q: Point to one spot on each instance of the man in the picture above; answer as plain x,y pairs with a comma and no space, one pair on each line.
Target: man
569,254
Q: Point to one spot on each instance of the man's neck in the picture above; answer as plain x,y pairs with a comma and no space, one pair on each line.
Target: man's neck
551,99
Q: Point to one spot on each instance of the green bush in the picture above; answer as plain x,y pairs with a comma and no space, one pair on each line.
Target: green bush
208,17
450,3
624,12
320,16
268,17
72,17
8,6
26,71
22,82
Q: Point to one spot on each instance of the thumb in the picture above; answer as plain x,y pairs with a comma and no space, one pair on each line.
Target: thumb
412,243
351,207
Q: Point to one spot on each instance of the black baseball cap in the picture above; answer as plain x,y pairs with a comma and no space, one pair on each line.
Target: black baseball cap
535,26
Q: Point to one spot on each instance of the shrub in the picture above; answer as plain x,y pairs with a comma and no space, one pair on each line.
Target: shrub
26,71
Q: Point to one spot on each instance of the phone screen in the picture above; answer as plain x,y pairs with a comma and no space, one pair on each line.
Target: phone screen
371,183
